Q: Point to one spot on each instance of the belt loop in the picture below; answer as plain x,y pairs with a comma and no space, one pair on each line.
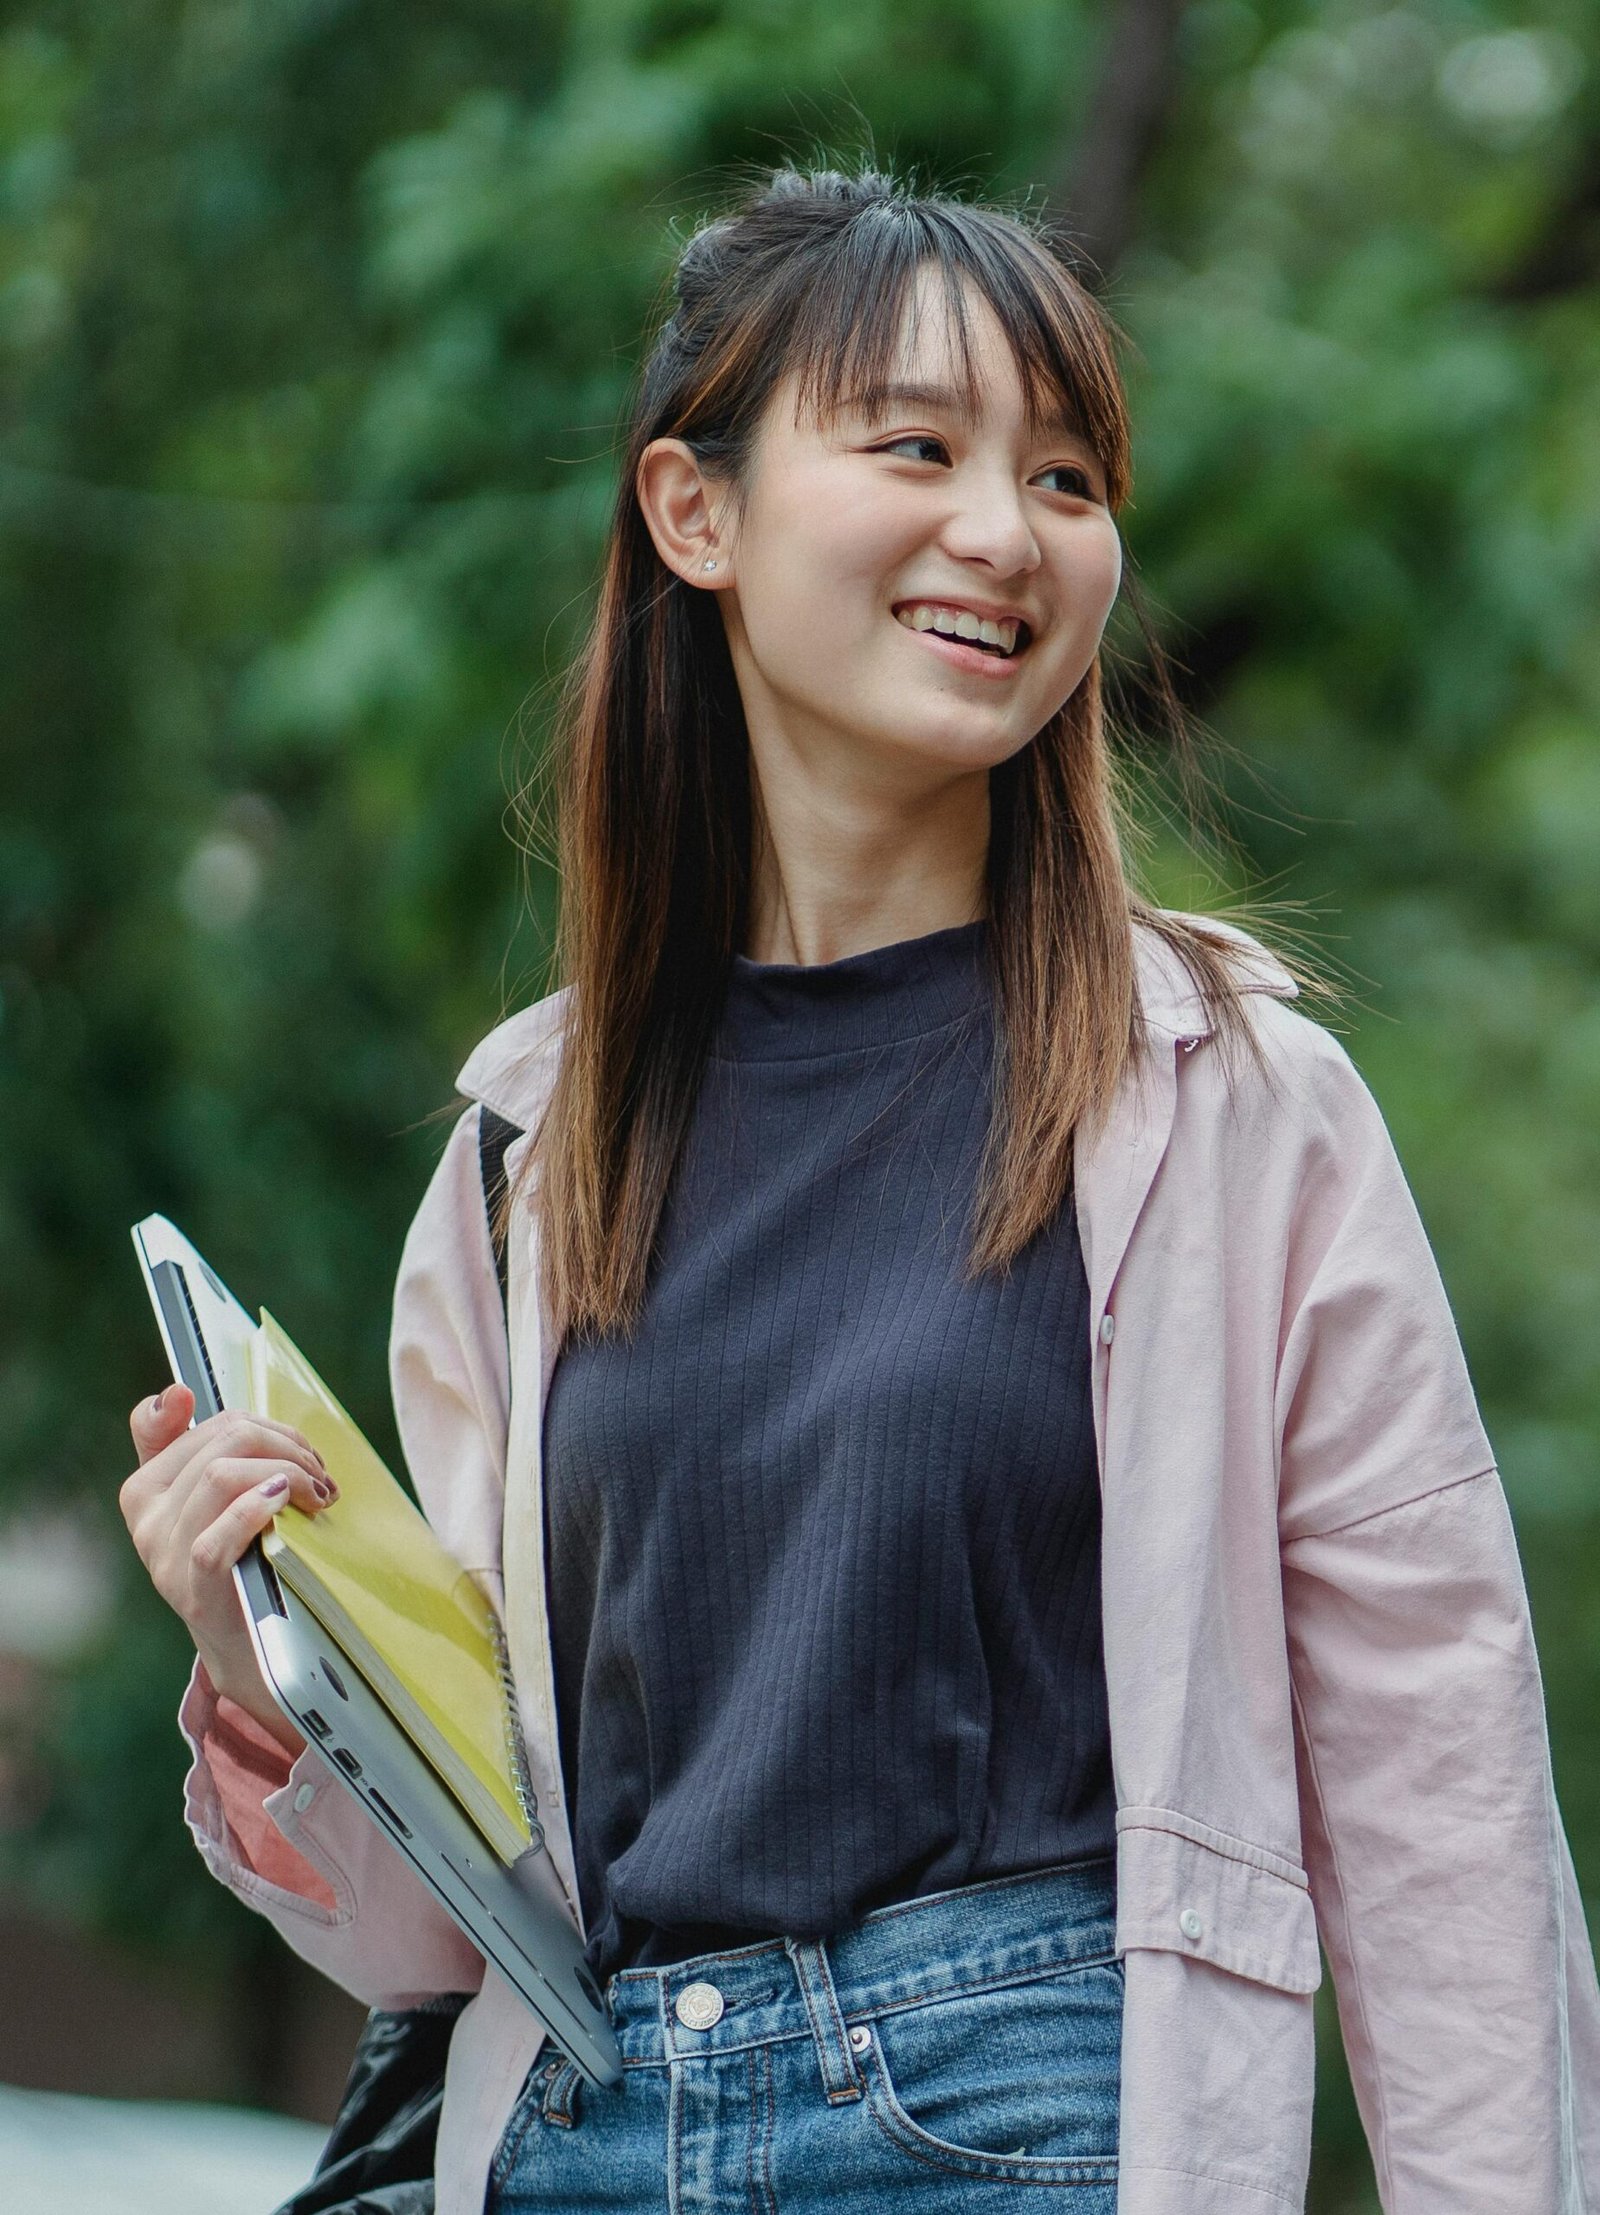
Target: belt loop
841,2080
561,2085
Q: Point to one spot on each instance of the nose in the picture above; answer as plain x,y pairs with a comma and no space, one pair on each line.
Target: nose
989,523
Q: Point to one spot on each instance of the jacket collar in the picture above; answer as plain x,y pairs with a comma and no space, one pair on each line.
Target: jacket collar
510,1070
1168,994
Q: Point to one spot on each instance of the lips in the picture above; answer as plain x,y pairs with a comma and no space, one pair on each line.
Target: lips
971,656
1006,620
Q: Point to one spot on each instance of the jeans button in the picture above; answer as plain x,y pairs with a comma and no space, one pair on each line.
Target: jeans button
698,2006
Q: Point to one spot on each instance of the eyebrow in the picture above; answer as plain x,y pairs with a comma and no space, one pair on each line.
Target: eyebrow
885,399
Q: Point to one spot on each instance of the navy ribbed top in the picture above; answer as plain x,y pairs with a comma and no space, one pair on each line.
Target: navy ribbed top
823,1536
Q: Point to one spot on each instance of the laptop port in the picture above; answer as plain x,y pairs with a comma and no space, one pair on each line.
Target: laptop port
314,1723
387,1812
347,1761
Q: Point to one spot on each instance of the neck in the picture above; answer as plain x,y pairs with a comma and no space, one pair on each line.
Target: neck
832,876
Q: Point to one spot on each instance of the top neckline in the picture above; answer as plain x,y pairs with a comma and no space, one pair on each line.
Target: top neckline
783,1010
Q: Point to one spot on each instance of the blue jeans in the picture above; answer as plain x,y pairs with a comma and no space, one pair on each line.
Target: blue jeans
944,2052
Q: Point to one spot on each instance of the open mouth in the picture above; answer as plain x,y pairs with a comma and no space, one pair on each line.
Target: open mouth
1007,639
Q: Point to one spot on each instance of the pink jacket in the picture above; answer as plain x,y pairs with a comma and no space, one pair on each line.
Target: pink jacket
1326,1710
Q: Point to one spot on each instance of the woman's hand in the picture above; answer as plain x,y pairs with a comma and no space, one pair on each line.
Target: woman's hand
196,1500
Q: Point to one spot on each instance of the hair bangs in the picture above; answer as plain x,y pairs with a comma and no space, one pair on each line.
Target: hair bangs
863,288
848,332
1059,341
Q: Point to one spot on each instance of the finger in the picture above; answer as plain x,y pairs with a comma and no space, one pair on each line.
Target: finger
157,1421
270,1436
270,1424
232,1434
225,1480
216,1547
157,1425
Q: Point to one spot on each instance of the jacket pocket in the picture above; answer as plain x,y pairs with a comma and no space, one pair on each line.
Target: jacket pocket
1185,1888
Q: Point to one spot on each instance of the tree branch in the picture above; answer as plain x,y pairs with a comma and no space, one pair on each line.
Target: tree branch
1096,182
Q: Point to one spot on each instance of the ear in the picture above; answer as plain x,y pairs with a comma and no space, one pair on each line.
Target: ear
678,503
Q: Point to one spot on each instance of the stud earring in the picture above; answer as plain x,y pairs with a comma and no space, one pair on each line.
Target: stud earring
711,565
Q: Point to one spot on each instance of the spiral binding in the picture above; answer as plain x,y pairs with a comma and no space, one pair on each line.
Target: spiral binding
516,1752
495,1135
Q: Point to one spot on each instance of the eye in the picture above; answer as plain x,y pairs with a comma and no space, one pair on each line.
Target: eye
914,438
1085,486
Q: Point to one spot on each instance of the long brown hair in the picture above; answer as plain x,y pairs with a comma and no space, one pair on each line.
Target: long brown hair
808,272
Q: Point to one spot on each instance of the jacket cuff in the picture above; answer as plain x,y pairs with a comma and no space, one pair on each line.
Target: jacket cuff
243,1798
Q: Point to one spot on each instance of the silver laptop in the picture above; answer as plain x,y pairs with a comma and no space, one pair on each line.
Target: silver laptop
515,1915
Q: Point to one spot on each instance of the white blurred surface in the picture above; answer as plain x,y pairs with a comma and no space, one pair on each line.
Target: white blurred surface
56,1586
60,2155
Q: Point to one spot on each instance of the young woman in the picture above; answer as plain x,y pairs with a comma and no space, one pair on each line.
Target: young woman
996,1539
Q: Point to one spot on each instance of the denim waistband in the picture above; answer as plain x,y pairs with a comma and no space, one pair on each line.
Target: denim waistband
996,1931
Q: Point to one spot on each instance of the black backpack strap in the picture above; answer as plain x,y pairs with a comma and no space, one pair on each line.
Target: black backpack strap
494,1136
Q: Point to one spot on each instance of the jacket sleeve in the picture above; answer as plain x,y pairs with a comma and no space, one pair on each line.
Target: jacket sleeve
289,1840
1439,1868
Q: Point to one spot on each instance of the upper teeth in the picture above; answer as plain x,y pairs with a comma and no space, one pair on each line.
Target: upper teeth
929,615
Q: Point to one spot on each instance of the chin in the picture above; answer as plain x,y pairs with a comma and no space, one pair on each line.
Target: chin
965,747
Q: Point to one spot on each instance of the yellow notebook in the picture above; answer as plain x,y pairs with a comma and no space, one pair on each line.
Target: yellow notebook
374,1573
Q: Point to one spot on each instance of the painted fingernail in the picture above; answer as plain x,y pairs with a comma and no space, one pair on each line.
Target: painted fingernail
274,1486
155,1404
323,1489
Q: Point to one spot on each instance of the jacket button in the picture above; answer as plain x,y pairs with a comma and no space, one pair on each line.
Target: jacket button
698,2006
1108,1328
1190,1924
304,1797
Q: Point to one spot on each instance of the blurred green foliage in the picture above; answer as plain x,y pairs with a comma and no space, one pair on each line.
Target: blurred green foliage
315,320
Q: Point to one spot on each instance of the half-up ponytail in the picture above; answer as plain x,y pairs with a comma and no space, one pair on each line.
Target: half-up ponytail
809,274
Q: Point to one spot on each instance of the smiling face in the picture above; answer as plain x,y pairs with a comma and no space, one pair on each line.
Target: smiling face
865,540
